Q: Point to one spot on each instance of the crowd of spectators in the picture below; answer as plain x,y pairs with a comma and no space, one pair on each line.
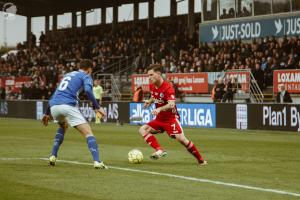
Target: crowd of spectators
261,56
224,90
168,44
59,52
244,12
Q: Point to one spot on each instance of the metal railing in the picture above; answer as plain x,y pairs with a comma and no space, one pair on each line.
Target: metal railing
256,95
109,85
119,64
253,91
124,66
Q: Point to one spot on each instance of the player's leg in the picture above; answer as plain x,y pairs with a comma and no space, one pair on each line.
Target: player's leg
86,131
175,130
189,145
146,132
76,120
59,118
97,117
58,140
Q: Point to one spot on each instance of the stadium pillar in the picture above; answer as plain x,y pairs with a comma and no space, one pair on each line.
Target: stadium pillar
28,31
173,8
136,11
239,6
47,23
74,20
191,17
83,18
54,23
115,17
150,13
103,15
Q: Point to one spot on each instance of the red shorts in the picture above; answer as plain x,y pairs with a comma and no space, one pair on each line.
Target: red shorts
172,126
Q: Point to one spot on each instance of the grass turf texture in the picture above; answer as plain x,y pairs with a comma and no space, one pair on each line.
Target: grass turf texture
256,158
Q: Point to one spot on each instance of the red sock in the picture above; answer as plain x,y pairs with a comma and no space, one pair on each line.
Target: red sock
193,150
151,140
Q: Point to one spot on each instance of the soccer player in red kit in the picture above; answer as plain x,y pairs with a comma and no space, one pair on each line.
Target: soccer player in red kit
163,95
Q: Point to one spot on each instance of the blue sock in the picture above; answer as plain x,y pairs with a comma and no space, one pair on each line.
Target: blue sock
93,147
59,138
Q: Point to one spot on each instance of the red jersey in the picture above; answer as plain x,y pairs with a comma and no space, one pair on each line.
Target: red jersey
161,96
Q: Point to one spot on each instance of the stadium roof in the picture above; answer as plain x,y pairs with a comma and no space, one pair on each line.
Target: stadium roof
35,8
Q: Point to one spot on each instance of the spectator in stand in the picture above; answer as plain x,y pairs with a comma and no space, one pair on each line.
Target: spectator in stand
224,15
178,94
32,39
61,50
2,93
258,74
228,92
51,90
231,13
23,91
138,95
10,93
42,38
43,92
283,96
219,91
30,91
235,85
213,91
246,12
98,92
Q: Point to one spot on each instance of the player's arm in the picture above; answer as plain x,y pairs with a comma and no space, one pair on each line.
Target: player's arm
170,94
46,117
148,102
169,106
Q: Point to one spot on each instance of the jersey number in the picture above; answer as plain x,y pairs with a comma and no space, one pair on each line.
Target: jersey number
174,127
64,83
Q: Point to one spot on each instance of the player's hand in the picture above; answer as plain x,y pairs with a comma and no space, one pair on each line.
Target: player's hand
100,112
147,103
156,111
45,120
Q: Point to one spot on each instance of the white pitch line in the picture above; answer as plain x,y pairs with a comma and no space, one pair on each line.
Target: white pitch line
173,176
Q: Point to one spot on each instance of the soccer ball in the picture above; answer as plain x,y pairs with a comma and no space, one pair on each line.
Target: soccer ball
135,156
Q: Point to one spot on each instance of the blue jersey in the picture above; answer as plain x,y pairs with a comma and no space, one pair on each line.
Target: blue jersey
69,88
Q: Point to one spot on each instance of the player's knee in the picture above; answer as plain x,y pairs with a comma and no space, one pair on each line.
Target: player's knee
64,126
86,131
143,130
182,139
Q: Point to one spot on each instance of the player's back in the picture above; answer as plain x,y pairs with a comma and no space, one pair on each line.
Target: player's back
69,88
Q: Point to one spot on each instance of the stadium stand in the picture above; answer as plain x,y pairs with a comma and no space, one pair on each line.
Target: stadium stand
169,44
59,53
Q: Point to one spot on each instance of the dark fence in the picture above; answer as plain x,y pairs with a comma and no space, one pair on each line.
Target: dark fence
285,117
117,111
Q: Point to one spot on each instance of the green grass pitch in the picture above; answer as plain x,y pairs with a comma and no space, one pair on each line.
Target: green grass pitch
259,159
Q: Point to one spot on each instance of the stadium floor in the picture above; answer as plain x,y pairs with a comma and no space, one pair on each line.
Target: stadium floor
242,165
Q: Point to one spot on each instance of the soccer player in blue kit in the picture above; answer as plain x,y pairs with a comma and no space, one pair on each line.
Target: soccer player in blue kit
63,106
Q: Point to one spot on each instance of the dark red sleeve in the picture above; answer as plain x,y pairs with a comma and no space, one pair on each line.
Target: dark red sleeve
151,87
170,93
